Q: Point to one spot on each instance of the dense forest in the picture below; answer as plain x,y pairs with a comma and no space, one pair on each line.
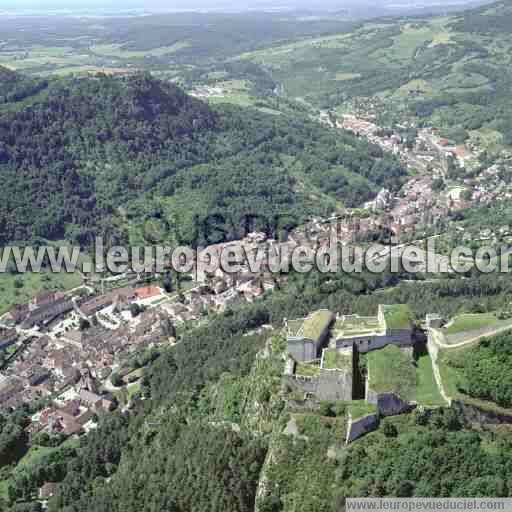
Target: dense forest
75,154
487,372
411,456
15,87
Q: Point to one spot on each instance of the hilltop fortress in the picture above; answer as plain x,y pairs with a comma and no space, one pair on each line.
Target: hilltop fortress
323,357
306,337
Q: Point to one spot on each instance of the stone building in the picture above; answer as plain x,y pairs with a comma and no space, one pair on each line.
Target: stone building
305,337
48,312
331,380
392,325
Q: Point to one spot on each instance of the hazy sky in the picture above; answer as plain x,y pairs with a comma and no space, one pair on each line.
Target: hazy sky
196,4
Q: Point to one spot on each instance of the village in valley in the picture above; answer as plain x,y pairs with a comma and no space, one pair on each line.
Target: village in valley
445,176
81,353
64,347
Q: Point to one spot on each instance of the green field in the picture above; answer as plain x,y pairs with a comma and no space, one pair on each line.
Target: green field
392,371
451,364
471,322
35,455
236,92
20,288
398,316
120,52
473,326
427,392
360,408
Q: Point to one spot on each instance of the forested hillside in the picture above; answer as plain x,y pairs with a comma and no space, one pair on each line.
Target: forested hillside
15,87
69,157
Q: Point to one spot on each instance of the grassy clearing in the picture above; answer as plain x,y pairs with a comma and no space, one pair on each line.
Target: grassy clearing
397,316
360,408
391,370
443,37
236,92
307,370
427,392
451,365
336,360
415,87
342,77
4,489
316,323
489,139
36,453
471,322
133,388
405,45
355,325
20,288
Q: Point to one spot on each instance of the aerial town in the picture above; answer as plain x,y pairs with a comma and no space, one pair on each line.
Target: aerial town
64,347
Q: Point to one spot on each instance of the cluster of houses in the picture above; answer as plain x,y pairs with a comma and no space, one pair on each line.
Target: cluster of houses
73,414
61,338
418,204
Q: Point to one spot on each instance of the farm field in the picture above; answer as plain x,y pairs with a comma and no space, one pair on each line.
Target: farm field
120,52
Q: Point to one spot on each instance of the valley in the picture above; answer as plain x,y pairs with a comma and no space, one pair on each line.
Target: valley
258,390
